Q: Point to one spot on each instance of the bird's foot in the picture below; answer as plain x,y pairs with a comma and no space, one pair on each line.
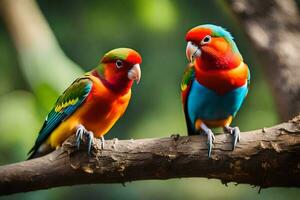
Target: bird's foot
210,138
235,132
102,142
80,132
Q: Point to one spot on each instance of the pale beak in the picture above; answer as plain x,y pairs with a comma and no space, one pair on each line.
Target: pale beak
192,51
135,73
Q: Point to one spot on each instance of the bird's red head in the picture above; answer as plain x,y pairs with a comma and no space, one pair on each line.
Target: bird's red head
212,47
120,67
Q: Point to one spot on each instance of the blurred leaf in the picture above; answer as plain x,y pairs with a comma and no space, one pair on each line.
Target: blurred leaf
19,125
157,15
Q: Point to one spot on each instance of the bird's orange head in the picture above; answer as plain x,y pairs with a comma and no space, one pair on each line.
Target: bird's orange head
212,47
119,68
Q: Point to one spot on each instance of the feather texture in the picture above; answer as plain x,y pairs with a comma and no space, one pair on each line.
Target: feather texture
66,105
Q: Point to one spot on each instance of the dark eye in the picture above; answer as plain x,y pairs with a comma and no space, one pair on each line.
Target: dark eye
206,39
119,64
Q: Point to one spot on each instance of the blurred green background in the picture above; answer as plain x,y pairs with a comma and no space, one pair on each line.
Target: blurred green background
86,30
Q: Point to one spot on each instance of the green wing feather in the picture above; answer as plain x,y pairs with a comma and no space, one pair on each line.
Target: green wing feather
64,107
188,77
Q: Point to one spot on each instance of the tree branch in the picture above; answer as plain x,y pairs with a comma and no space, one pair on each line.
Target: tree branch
269,157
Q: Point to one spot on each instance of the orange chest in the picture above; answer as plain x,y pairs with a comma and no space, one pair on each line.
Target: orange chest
104,107
101,110
223,81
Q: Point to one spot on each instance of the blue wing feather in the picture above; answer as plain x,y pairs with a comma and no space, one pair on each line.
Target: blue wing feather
79,89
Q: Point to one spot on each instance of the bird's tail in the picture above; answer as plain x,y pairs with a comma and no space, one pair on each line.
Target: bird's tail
189,125
36,152
32,153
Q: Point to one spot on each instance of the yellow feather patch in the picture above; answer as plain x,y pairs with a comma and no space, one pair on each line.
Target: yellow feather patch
183,87
214,123
61,107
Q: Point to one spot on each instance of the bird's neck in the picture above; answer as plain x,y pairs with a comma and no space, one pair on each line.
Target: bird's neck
119,85
212,60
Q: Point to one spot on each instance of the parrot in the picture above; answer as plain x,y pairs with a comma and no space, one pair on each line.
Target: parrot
215,82
92,104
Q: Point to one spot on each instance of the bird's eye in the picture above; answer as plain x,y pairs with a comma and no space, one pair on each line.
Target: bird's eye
206,40
119,64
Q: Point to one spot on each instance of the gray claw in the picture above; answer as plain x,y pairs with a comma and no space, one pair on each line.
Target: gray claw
236,137
210,139
79,134
90,136
102,142
235,132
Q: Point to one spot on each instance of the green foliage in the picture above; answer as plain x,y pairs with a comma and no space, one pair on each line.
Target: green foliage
18,121
157,16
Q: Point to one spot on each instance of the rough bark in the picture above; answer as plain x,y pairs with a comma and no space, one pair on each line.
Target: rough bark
269,157
274,28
